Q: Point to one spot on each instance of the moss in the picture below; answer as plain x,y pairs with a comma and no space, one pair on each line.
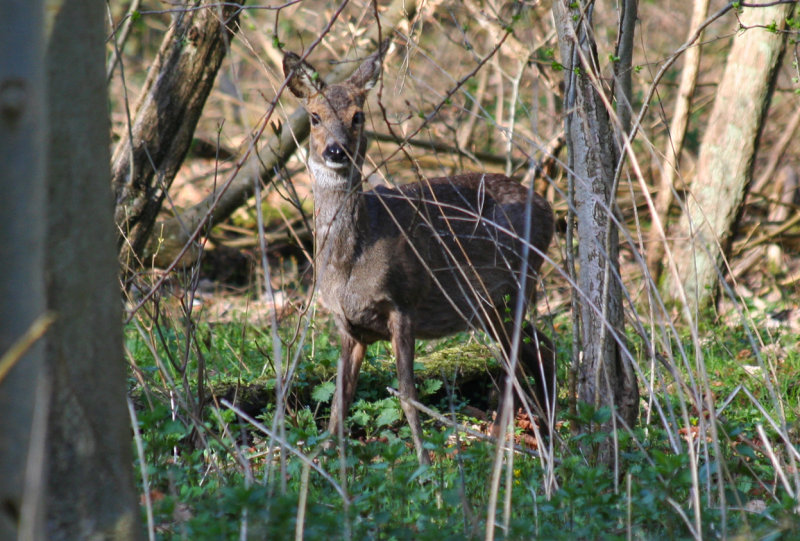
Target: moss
467,361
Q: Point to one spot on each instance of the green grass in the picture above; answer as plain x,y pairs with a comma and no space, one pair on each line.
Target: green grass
211,475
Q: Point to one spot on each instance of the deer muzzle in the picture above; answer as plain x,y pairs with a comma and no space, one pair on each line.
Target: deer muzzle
335,155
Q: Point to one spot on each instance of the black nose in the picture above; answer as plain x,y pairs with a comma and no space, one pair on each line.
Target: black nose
335,153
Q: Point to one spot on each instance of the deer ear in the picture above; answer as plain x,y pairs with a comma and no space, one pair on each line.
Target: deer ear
367,73
303,79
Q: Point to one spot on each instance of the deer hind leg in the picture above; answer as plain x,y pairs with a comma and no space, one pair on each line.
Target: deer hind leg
350,359
537,359
402,332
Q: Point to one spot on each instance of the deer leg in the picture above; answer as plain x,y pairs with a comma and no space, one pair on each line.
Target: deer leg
402,333
537,359
350,359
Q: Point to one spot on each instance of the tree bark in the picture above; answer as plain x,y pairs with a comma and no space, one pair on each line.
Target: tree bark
90,489
178,83
623,74
22,296
725,165
603,378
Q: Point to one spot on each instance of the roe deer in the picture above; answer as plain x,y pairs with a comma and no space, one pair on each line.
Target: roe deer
423,260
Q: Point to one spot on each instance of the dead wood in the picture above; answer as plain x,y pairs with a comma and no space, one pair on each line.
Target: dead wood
675,140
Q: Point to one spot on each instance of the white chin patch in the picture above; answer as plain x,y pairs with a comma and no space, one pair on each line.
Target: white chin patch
335,165
328,177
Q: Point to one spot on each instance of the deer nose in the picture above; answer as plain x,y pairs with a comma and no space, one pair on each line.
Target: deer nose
335,153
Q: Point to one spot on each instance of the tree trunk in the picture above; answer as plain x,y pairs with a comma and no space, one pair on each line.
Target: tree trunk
22,296
90,489
164,119
675,141
603,378
726,157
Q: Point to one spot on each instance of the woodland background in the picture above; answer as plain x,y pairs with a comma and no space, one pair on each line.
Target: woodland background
230,363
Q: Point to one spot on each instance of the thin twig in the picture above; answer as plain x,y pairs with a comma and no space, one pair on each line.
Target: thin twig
119,42
21,346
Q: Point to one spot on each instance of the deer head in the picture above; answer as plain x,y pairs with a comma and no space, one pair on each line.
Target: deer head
336,114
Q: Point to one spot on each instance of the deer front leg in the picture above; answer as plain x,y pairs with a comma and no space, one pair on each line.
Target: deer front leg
402,332
346,380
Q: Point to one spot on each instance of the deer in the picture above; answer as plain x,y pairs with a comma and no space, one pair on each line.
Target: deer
422,260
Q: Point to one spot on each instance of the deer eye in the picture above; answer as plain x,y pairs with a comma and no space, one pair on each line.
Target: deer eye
315,120
358,118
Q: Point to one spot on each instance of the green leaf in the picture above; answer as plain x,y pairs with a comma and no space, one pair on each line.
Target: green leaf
746,451
360,417
388,416
602,415
430,386
419,471
324,391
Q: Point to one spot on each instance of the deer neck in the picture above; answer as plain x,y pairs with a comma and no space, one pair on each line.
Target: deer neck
339,214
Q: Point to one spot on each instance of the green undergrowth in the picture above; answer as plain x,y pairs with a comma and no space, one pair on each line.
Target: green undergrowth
216,476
